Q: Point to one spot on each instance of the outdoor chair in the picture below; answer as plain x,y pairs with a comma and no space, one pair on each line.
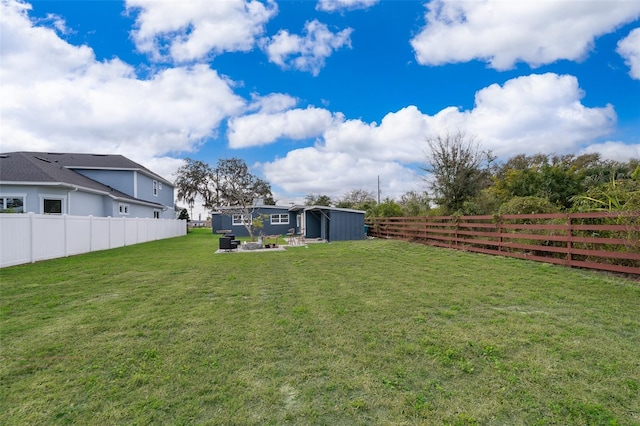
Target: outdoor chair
291,236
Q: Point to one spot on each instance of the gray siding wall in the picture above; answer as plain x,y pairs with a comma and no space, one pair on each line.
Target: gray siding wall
85,204
346,226
50,192
224,222
277,229
29,193
136,210
122,180
80,203
145,191
134,184
77,203
335,226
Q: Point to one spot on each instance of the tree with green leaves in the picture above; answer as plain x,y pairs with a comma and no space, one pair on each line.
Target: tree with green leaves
240,191
359,199
458,169
196,178
415,203
317,200
229,186
184,215
387,208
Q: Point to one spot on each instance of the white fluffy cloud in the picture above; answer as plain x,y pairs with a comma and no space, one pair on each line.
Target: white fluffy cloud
629,49
272,103
399,137
191,30
306,53
532,114
334,5
505,32
315,170
612,150
537,113
56,96
264,128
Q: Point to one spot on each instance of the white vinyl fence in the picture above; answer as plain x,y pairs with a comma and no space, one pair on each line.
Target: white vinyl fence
30,237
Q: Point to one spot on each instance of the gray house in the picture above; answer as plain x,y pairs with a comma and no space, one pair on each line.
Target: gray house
312,222
82,185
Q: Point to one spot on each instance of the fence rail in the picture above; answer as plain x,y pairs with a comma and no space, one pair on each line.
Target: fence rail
30,237
603,241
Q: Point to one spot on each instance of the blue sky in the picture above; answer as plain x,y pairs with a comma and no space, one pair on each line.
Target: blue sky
319,96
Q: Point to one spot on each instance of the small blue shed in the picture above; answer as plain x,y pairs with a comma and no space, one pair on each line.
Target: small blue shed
312,222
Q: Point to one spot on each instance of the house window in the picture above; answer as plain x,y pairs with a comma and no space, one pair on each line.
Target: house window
12,204
52,205
156,214
155,188
240,219
280,219
123,208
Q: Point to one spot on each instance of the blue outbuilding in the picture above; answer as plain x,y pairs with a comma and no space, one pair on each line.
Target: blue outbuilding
310,222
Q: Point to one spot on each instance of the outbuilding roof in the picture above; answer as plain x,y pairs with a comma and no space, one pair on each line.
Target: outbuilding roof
316,208
294,208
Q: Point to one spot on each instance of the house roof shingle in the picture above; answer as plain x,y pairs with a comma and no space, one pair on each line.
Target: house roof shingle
88,161
48,168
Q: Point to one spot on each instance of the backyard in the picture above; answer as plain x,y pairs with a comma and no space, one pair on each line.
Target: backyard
362,332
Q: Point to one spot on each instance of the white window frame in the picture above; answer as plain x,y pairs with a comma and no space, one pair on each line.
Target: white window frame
279,219
240,220
61,198
155,188
123,209
156,214
4,197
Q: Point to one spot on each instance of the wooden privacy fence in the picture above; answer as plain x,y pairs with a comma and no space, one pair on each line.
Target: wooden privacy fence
602,240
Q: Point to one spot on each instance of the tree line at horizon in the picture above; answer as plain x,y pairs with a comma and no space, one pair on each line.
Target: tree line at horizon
461,179
464,180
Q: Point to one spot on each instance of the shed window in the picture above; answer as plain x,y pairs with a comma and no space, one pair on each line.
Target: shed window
240,219
280,219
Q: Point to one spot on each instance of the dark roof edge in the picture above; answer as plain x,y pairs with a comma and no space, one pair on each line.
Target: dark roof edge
296,208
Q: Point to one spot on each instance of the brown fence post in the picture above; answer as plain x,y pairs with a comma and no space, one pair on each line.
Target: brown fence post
499,225
569,240
455,235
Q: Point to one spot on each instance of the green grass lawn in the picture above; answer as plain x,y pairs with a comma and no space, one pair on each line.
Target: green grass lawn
350,333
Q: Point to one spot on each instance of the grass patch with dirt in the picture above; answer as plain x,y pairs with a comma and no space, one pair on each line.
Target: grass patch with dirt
362,332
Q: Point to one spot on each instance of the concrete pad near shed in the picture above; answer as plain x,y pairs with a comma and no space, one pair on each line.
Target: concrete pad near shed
239,250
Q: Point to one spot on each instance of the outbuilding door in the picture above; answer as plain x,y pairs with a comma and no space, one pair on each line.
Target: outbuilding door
300,222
